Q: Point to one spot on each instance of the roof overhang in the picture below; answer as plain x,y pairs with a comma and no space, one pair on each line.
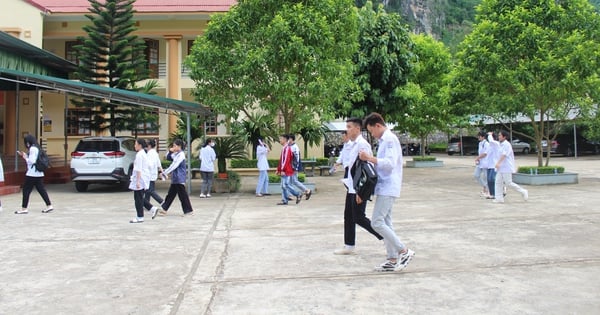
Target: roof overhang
102,92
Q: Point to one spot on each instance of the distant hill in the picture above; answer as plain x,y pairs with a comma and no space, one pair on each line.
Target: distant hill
447,20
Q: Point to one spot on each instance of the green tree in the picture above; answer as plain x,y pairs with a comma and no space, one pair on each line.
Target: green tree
532,58
111,56
383,63
196,127
288,59
427,93
312,134
254,127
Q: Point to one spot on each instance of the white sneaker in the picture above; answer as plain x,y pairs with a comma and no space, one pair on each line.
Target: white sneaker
153,212
208,196
202,196
525,195
344,251
404,259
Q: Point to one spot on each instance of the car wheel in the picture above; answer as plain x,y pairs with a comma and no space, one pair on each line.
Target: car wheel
450,153
526,151
81,186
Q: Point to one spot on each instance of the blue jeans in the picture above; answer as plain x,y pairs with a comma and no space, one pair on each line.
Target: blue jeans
481,177
207,180
263,182
491,181
381,221
286,189
295,182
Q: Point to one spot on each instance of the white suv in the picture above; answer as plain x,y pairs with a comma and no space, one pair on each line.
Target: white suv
102,160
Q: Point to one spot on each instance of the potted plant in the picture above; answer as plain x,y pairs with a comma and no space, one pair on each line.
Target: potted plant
230,147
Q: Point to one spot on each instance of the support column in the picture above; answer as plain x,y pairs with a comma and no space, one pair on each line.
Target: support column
173,74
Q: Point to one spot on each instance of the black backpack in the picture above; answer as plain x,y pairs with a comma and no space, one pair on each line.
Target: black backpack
364,176
43,162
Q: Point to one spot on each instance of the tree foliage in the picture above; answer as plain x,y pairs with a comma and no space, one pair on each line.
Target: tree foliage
532,58
383,63
288,59
112,56
427,93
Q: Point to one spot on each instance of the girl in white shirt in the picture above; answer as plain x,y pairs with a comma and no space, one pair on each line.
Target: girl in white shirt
33,177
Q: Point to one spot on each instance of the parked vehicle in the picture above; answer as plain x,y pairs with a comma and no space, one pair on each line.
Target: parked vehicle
413,149
102,160
469,145
564,144
519,146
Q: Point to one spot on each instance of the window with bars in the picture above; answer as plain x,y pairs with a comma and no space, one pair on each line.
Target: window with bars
152,56
149,128
78,121
210,125
70,52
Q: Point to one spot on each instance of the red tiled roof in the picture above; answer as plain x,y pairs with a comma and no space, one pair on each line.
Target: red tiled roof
141,6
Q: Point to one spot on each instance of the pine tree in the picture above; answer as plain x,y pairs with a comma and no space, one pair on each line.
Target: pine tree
112,56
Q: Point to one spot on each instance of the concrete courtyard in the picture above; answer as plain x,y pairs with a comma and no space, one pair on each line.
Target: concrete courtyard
240,254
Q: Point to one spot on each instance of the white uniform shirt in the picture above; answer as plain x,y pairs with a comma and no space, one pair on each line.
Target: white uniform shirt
207,157
261,154
31,159
484,147
153,164
508,165
140,168
389,166
360,144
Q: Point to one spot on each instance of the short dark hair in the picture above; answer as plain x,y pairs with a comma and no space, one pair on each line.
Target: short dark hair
151,143
372,119
30,141
179,143
354,120
292,136
504,133
481,134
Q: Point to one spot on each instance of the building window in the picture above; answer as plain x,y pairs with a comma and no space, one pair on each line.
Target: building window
210,125
78,121
70,52
150,127
190,44
152,57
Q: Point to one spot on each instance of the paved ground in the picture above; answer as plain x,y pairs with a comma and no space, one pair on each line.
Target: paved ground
244,255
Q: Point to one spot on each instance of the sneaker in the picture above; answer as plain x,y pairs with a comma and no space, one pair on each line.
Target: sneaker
202,196
48,210
188,214
22,211
208,196
483,194
298,198
137,220
404,259
525,195
153,212
344,251
308,194
162,212
387,266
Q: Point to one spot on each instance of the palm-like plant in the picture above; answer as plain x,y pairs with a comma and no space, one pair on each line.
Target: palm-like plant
230,147
254,127
312,135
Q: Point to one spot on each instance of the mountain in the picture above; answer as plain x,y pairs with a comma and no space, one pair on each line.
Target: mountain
447,20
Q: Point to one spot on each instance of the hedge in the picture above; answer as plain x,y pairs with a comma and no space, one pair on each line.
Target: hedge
277,179
424,158
541,169
272,163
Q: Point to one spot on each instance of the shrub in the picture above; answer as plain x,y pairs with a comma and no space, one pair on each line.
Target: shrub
424,158
541,169
438,147
277,179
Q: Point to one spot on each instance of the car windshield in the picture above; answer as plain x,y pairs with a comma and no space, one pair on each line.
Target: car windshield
98,146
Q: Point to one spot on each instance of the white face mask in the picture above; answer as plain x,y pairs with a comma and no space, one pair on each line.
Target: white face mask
212,144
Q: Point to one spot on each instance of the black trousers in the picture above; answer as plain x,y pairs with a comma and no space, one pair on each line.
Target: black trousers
138,199
179,190
151,192
355,214
38,183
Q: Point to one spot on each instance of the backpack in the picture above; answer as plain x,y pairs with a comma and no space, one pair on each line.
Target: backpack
364,176
43,162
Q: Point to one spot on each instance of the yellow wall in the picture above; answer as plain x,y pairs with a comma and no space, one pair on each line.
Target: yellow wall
16,16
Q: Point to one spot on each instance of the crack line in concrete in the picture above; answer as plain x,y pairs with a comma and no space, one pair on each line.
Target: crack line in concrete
196,264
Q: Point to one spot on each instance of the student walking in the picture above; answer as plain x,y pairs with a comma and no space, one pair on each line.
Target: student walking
155,167
389,183
140,181
285,170
207,167
262,187
297,166
177,188
482,164
354,211
33,177
505,166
